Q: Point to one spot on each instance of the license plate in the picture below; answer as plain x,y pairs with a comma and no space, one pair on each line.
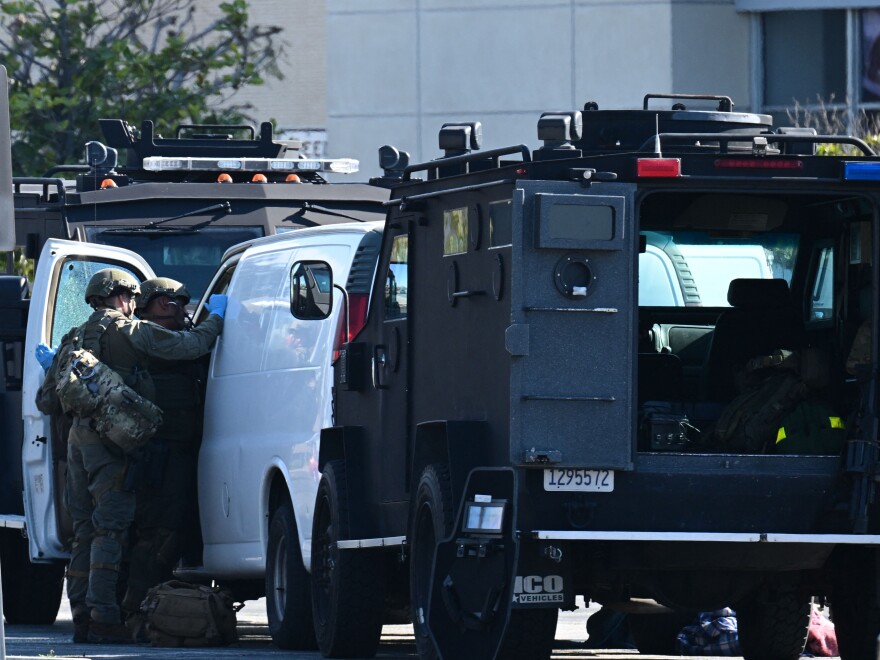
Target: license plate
579,479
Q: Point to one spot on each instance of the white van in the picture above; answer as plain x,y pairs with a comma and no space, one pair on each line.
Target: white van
268,397
679,275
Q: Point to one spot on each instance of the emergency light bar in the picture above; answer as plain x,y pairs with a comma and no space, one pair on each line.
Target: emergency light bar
335,165
861,171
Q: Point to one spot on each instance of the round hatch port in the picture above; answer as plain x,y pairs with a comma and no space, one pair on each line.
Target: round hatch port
573,276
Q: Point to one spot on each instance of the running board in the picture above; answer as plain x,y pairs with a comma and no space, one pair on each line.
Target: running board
387,541
717,537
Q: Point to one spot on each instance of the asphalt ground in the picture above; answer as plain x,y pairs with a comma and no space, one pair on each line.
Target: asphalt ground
38,642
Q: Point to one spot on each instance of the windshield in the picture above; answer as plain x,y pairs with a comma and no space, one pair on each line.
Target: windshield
189,258
672,260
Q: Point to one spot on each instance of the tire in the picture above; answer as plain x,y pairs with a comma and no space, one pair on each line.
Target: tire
431,520
773,624
530,635
288,591
348,587
854,606
31,592
656,634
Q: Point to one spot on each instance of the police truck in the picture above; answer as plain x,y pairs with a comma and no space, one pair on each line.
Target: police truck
524,419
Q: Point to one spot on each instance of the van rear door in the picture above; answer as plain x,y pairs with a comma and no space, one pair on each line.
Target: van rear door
57,304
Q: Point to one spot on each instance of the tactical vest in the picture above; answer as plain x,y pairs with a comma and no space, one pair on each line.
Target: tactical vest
178,386
103,338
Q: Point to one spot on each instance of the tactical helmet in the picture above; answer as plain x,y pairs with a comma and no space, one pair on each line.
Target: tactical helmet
107,280
161,286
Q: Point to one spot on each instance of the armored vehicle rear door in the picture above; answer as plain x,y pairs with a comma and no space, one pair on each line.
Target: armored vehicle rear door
572,337
57,304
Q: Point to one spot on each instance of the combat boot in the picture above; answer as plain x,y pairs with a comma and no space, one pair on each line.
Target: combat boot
109,633
81,628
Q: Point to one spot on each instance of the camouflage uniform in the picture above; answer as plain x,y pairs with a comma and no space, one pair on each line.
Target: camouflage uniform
100,505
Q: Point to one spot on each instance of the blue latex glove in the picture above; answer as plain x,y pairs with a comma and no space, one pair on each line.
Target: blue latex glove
217,304
45,355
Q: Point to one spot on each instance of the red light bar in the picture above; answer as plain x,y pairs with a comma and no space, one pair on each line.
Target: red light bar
760,163
658,167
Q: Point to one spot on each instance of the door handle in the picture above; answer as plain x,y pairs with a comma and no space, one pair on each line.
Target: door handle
379,361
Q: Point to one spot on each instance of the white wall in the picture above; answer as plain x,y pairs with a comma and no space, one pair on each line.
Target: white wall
398,69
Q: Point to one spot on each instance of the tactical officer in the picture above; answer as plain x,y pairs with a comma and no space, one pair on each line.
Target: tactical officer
165,514
101,507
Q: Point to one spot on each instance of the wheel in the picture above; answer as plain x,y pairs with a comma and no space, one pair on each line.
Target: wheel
431,520
854,605
655,634
529,635
288,593
31,592
348,594
773,624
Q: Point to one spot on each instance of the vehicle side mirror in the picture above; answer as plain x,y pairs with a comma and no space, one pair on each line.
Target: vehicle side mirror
311,290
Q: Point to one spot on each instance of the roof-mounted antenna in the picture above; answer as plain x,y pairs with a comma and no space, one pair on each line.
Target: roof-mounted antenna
657,135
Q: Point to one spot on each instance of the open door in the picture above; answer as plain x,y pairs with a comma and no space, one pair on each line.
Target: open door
57,304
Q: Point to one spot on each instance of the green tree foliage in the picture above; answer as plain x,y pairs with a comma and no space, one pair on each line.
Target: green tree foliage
71,62
16,263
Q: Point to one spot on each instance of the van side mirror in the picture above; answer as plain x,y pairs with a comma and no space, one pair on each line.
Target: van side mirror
311,290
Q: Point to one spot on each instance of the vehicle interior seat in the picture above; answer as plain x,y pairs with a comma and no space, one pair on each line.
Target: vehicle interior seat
761,320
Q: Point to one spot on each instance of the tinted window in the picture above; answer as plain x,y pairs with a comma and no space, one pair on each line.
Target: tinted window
500,231
455,231
581,222
822,299
189,258
396,285
705,264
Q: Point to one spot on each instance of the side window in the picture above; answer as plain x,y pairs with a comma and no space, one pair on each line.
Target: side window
220,286
70,308
396,280
500,231
455,231
822,296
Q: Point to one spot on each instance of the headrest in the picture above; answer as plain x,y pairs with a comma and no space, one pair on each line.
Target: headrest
748,293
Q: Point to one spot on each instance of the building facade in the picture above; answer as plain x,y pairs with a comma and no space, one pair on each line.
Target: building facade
398,69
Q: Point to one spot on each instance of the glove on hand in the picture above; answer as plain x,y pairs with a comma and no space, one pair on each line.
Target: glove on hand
217,304
45,355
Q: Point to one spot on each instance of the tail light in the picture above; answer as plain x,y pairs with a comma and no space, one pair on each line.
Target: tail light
658,167
357,318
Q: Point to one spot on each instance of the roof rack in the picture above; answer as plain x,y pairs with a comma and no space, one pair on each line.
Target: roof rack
119,135
463,163
724,140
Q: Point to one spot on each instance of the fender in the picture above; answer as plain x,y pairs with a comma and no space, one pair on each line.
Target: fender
349,444
461,445
474,573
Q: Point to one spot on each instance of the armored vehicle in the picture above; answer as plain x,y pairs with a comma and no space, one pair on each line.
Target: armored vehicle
180,202
535,410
